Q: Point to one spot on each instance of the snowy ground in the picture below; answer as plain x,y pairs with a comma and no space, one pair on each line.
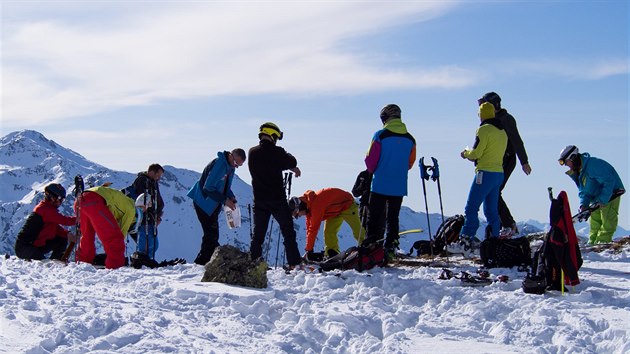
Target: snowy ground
51,308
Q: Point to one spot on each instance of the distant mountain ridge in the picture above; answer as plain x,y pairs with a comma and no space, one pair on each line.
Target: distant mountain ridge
29,161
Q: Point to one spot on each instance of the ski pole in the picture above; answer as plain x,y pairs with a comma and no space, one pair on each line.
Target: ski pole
424,175
249,212
435,175
155,217
146,212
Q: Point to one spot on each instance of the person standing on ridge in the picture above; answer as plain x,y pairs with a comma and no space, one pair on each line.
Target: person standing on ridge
391,155
266,163
515,148
209,193
148,181
487,153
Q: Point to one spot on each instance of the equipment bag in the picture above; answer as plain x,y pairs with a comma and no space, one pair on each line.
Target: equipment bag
448,232
498,253
358,258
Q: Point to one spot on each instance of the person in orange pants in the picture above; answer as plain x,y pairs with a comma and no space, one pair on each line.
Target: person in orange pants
109,214
332,205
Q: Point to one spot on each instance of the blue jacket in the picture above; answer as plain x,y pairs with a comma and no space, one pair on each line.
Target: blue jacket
596,180
214,186
391,154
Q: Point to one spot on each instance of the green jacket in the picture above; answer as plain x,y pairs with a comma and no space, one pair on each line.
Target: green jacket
490,144
122,207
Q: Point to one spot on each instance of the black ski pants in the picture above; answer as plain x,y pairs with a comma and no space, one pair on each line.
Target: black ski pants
509,163
390,206
27,251
263,210
210,238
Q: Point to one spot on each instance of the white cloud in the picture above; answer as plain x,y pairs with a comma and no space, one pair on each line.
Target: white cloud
60,68
579,69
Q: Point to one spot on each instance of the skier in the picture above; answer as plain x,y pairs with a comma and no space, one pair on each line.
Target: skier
487,153
42,233
599,187
391,155
210,193
333,206
148,181
514,148
266,163
109,213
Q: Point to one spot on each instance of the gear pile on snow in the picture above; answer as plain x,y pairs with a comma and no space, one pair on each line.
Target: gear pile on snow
229,265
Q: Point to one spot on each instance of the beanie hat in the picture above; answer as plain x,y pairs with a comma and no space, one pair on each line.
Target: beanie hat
390,111
486,111
491,97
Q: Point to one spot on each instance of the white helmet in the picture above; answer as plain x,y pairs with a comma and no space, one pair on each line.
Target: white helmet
140,201
567,153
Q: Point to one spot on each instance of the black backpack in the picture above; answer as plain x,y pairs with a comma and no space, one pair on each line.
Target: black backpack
499,253
447,233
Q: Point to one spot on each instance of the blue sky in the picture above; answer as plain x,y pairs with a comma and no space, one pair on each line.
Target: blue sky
130,83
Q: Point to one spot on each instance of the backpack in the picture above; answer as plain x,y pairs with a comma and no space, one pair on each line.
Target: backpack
359,258
130,192
448,232
559,253
499,253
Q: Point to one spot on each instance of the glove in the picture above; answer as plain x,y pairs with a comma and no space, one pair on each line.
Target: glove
596,205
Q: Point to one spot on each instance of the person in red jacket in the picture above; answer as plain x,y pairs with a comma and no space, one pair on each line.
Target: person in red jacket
333,206
42,231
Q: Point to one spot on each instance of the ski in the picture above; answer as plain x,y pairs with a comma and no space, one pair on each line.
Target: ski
79,186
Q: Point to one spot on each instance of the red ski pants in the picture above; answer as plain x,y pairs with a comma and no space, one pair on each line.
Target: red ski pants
96,218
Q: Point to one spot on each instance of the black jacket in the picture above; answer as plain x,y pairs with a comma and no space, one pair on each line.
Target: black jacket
144,182
266,163
515,143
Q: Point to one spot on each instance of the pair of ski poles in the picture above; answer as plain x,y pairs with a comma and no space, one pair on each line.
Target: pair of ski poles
431,172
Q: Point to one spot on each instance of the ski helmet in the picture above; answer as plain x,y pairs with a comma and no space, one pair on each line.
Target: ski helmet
55,190
569,152
390,111
491,97
272,130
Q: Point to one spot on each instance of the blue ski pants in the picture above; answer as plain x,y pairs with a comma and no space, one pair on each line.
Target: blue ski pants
150,246
485,189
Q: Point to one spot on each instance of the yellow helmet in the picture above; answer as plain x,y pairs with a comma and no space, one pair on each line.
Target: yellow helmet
272,130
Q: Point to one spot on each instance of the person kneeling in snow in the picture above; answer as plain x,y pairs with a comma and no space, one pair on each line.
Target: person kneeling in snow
42,232
332,205
108,213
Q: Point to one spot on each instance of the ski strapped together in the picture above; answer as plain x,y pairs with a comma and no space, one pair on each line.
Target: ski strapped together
79,187
434,175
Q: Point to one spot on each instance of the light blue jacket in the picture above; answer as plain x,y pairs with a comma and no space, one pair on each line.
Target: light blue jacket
596,180
214,186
